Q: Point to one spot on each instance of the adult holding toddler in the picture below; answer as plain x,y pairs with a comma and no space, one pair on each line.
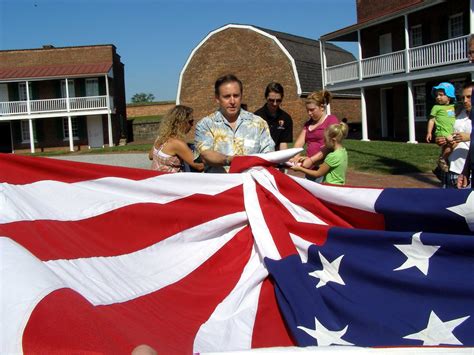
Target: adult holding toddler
312,134
170,151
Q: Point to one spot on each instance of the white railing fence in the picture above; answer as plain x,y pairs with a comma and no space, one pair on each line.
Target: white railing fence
389,63
52,105
431,55
440,53
342,72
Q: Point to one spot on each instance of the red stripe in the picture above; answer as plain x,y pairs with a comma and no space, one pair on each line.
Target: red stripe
270,329
168,319
121,231
17,169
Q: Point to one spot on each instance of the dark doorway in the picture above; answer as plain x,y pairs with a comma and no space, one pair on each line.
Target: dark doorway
5,138
387,115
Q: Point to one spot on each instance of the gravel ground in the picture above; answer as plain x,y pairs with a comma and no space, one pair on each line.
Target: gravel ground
131,160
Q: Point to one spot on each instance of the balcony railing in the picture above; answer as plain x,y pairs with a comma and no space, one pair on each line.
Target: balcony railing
428,56
53,105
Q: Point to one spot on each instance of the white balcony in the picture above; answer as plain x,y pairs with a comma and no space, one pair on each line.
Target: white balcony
447,52
75,104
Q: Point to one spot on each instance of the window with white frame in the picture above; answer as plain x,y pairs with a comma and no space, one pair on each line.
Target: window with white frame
25,131
419,92
455,26
71,89
416,36
74,126
92,87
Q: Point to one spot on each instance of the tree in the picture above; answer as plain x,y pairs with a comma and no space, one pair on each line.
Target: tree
142,97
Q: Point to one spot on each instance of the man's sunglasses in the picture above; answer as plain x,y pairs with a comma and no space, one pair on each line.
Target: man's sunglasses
278,101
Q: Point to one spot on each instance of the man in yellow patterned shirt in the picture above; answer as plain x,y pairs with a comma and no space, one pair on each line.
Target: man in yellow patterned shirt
230,131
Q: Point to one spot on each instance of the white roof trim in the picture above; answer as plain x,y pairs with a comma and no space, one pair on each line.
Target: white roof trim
266,34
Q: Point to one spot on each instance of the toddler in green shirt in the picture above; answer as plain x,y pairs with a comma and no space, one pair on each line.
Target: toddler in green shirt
442,117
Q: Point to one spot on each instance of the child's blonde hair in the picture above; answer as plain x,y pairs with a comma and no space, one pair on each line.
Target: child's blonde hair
337,131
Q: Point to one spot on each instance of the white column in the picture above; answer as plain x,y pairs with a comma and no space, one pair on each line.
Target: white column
472,17
360,54
407,45
109,118
32,136
365,135
323,62
411,114
71,138
69,120
30,121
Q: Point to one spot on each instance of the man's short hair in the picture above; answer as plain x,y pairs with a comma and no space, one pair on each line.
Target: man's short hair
229,78
468,84
274,87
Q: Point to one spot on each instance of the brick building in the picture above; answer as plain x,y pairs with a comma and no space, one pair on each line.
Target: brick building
63,97
406,48
258,56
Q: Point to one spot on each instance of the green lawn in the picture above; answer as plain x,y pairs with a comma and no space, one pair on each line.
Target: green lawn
376,156
391,157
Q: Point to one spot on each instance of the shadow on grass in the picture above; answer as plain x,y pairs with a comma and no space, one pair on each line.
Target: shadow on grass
392,166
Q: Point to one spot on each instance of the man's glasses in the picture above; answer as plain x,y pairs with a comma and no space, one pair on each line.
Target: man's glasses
274,101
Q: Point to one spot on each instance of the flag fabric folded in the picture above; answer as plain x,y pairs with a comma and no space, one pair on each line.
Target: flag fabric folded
101,259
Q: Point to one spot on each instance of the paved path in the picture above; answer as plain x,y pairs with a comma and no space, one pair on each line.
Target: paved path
140,160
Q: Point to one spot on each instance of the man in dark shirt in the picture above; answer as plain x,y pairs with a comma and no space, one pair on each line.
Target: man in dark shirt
279,122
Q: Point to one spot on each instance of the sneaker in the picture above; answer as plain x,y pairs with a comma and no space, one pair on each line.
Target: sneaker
443,165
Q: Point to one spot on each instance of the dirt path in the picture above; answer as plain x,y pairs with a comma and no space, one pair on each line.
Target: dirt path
421,180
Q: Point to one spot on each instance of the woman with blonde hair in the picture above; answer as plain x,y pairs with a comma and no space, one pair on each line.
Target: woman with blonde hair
333,169
170,151
312,133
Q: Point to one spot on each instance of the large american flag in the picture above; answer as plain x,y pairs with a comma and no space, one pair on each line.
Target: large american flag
100,259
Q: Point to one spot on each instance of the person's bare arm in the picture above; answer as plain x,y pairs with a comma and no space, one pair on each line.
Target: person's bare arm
299,144
429,131
213,158
323,170
182,150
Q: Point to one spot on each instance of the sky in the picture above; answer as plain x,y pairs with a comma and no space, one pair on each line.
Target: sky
155,38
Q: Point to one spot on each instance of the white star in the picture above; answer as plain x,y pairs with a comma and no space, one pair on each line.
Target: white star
466,210
417,254
329,273
438,332
324,336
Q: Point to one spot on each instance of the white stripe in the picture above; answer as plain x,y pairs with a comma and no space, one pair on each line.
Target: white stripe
109,280
53,200
230,326
302,246
360,198
279,156
264,178
263,239
25,280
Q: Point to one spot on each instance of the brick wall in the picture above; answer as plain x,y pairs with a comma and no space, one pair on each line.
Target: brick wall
56,56
154,109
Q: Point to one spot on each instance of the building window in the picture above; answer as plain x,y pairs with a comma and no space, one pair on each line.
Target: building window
420,102
416,37
455,26
75,128
25,131
22,91
92,87
71,89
